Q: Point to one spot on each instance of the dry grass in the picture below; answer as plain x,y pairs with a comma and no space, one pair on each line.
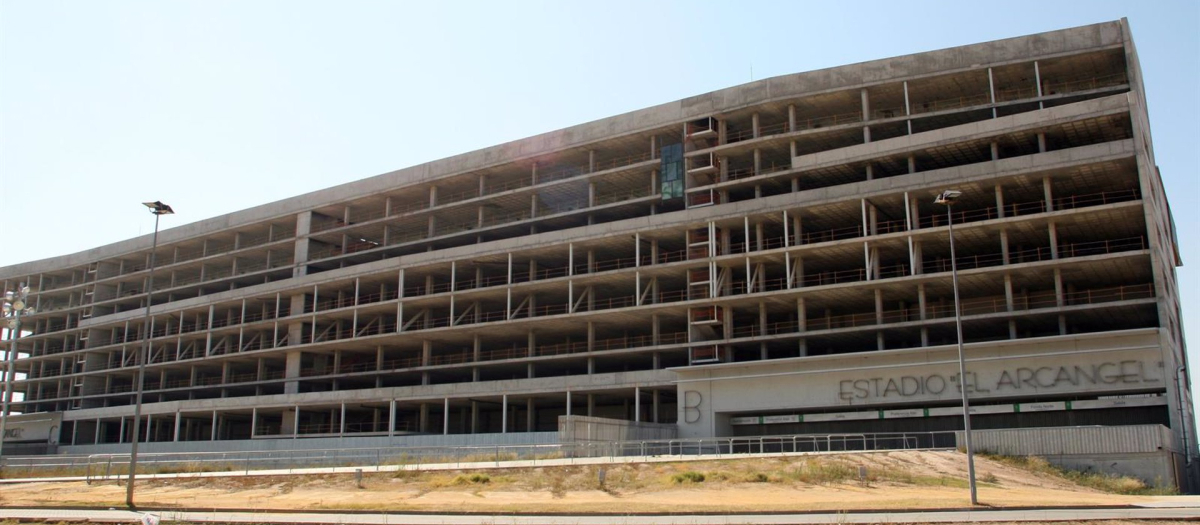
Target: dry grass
1110,483
874,480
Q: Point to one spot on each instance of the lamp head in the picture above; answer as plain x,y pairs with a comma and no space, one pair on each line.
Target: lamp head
159,208
947,197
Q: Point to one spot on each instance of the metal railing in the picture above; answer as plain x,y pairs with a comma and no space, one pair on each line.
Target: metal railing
101,467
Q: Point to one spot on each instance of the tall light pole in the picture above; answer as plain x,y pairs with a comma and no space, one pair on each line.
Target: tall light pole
13,307
947,198
158,209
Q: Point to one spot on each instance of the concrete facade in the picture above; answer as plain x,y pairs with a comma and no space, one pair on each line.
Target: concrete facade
755,252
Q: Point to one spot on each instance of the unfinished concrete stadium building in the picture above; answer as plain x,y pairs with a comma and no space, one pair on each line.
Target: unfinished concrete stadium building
763,259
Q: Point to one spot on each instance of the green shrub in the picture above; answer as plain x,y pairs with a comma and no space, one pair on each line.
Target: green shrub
688,477
757,477
471,479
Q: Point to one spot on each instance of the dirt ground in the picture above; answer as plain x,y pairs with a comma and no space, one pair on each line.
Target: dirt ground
895,480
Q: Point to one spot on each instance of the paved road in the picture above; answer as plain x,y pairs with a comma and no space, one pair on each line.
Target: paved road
1190,510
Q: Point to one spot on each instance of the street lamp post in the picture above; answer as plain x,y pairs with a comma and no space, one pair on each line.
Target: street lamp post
158,209
14,306
947,198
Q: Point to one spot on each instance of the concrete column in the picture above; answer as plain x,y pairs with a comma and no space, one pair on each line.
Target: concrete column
921,301
1037,79
792,122
504,414
121,436
342,421
215,424
300,249
568,402
423,418
530,415
391,417
992,91
1048,193
637,404
907,108
1053,240
1059,300
999,201
801,315
474,416
591,336
762,321
918,258
866,114
654,405
446,416
878,306
1004,245
915,213
591,405
1008,292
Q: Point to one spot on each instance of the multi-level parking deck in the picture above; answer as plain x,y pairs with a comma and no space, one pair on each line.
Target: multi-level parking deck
786,219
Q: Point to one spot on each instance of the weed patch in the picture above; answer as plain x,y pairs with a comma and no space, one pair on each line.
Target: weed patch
1110,483
688,477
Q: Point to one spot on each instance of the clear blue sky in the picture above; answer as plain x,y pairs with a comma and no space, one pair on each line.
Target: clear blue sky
215,106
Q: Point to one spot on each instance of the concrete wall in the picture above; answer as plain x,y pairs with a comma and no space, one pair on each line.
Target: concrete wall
1090,364
452,440
1134,439
1141,451
575,429
40,428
